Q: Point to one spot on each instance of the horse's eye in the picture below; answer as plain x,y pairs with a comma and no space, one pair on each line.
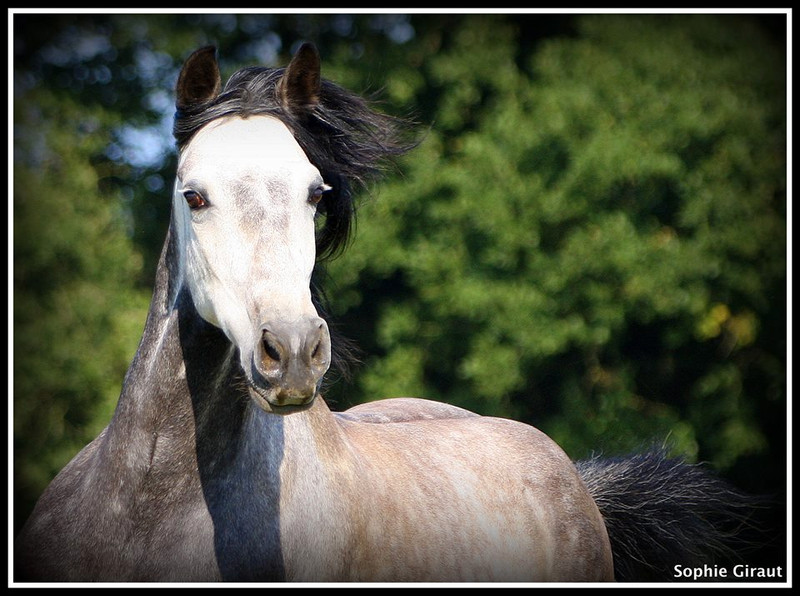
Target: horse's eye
316,194
194,199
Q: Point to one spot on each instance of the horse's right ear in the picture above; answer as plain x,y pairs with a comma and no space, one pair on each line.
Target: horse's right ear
199,81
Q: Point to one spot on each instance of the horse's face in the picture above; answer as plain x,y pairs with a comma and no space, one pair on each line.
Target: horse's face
244,202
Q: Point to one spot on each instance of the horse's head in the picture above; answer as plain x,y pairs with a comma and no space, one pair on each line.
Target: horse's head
244,206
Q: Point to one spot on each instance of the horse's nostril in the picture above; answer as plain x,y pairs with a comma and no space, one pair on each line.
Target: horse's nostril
272,350
320,340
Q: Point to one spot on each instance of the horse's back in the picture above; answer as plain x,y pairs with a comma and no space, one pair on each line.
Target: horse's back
403,409
470,498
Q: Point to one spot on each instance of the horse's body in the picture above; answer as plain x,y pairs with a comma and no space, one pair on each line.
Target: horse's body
191,487
222,462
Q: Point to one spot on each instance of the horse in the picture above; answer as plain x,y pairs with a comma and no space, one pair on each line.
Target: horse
223,462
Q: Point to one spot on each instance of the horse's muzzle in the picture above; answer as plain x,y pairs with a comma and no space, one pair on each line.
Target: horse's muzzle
289,363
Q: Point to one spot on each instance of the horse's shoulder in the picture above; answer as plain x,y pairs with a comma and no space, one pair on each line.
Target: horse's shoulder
403,409
59,511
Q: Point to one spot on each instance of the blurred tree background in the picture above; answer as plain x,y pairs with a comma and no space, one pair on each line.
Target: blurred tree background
591,236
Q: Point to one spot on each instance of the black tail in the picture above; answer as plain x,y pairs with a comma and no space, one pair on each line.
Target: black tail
663,512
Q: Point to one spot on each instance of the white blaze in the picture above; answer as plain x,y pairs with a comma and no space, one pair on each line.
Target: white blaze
250,252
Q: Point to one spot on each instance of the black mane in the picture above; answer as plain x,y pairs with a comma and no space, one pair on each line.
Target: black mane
345,139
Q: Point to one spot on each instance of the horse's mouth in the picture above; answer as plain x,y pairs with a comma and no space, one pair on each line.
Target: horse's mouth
274,401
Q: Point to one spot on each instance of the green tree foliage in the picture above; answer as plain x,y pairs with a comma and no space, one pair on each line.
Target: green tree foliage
77,313
590,237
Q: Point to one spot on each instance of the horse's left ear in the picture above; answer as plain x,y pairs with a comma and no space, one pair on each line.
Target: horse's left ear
199,81
299,87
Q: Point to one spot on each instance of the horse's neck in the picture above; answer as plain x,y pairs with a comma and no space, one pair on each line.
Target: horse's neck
184,399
